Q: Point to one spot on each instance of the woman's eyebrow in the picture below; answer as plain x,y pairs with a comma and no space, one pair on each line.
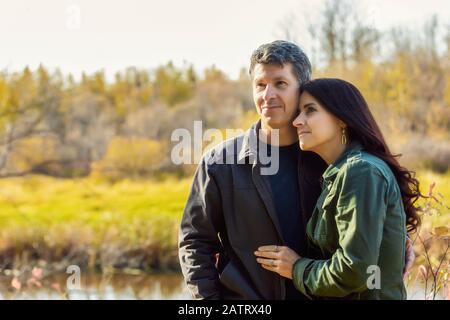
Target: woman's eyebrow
311,104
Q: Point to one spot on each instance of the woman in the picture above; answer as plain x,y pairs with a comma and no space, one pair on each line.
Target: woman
357,231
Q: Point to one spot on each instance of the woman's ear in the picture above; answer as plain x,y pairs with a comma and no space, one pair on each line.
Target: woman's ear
342,124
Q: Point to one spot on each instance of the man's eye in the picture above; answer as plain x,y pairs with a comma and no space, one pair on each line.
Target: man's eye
260,85
281,83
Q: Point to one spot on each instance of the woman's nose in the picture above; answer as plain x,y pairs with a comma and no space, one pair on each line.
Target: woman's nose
298,121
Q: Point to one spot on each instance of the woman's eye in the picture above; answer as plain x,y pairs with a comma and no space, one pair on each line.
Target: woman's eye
310,109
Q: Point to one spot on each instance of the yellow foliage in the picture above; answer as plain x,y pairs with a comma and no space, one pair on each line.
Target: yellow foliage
437,117
248,119
4,94
441,231
447,91
130,157
33,152
399,91
172,84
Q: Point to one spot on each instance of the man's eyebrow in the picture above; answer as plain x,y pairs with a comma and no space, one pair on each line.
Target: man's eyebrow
279,78
274,79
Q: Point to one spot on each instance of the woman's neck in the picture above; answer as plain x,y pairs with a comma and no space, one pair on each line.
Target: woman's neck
331,151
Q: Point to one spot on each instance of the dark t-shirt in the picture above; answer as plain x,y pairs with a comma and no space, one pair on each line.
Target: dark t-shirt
286,196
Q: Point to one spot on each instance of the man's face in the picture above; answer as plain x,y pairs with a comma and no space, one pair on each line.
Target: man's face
276,95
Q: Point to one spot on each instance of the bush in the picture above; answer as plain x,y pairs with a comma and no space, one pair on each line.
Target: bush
424,153
130,157
37,154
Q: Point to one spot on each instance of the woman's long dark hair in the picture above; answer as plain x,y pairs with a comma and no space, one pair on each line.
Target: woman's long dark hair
344,101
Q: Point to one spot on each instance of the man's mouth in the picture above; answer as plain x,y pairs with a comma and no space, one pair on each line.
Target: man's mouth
270,107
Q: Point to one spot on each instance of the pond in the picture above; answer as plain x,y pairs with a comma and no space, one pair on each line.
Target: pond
95,286
113,286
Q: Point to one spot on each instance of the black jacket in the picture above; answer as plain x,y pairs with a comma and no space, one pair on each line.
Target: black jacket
230,211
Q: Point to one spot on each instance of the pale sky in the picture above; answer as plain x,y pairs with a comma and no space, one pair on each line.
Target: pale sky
90,35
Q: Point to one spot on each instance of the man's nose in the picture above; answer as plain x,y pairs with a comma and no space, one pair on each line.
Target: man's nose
269,92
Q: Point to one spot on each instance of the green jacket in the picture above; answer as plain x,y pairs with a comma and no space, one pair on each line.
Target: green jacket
358,226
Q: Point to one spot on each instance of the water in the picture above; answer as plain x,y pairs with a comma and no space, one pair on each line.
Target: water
138,286
94,286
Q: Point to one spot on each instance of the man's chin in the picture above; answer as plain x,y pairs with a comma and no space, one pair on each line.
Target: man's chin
275,123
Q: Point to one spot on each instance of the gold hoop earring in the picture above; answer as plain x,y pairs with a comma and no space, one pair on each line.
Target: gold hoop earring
344,137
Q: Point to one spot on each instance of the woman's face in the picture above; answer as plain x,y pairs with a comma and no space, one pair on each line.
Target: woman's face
316,127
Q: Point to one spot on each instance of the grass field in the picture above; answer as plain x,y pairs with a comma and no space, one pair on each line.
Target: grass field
128,224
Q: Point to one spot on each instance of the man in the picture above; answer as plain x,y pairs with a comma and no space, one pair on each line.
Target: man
233,207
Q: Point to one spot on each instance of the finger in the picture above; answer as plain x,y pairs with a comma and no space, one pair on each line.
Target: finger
270,268
408,242
269,262
406,272
266,254
410,261
412,257
268,248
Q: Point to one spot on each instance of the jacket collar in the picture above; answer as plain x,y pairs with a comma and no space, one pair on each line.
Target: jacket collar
249,145
334,168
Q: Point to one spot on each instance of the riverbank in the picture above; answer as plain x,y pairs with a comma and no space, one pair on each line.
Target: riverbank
53,223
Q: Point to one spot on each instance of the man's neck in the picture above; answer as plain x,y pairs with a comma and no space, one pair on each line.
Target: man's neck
286,136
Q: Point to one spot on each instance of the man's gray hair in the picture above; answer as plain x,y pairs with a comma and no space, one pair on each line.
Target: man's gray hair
281,52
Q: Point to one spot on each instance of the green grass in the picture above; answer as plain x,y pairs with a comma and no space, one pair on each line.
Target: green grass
45,200
54,217
127,223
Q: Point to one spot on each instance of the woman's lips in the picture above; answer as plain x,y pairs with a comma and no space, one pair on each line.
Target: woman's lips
303,133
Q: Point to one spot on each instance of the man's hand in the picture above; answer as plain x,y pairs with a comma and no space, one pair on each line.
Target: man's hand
277,259
409,257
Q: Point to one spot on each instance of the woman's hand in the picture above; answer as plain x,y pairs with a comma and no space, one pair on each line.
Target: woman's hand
277,259
409,257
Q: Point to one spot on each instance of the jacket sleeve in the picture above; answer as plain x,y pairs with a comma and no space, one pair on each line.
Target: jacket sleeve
360,214
198,240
